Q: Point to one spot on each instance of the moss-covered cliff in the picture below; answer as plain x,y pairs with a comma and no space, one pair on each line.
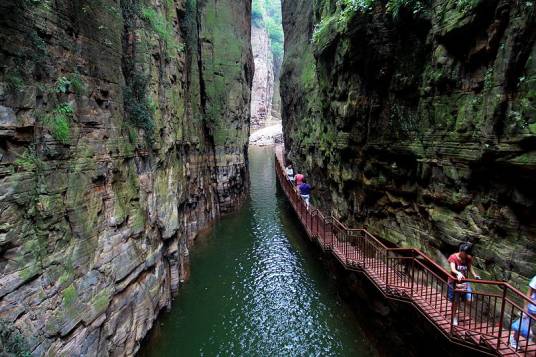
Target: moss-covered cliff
419,121
123,131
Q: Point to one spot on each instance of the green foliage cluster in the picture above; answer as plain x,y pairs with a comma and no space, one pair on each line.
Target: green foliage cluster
59,122
131,10
69,295
488,79
27,62
393,6
28,160
308,76
163,28
268,13
12,343
14,81
347,9
38,44
139,107
29,3
257,12
71,83
465,5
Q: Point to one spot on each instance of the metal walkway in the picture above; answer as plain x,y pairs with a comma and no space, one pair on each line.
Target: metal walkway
484,323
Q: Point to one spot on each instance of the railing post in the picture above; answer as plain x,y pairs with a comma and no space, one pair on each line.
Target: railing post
452,312
386,255
412,275
317,219
501,317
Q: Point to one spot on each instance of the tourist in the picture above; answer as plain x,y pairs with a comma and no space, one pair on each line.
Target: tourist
524,326
305,191
299,179
290,173
461,264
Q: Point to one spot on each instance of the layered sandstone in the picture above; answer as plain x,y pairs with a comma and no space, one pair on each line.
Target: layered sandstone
123,132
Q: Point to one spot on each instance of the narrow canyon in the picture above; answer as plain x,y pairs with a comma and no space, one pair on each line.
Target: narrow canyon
129,224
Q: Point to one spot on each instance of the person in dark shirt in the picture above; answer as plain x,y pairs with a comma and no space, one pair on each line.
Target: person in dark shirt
305,191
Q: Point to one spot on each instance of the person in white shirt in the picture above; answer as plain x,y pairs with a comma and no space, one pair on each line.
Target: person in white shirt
290,173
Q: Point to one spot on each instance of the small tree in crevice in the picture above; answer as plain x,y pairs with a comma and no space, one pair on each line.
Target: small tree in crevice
137,104
135,99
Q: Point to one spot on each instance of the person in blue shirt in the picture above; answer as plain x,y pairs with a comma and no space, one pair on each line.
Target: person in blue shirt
521,325
305,191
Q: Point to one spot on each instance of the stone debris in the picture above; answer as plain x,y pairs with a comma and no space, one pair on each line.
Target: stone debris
267,136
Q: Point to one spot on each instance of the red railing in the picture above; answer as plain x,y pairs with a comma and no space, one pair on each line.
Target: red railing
486,321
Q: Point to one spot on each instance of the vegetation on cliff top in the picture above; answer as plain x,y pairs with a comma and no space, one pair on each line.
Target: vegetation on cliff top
347,9
268,12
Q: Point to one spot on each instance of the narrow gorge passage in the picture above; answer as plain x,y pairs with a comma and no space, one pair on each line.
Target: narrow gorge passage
125,127
257,289
267,47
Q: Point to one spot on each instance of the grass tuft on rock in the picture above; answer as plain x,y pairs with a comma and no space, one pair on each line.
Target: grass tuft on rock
163,28
59,122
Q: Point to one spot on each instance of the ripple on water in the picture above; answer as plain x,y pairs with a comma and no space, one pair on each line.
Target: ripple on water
256,289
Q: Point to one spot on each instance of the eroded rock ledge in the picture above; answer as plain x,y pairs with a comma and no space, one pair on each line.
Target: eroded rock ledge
123,132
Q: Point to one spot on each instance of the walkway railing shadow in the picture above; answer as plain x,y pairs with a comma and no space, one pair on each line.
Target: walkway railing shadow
488,318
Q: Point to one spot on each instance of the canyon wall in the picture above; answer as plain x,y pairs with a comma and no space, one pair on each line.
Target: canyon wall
123,132
419,122
263,79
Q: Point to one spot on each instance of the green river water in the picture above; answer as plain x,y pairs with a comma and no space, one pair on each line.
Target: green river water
257,288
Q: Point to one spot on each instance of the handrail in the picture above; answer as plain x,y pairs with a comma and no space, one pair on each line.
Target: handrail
374,252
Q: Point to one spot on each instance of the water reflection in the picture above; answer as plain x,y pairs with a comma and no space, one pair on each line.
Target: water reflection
256,289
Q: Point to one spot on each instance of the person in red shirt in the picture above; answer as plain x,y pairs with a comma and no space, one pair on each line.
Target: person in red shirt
461,264
299,179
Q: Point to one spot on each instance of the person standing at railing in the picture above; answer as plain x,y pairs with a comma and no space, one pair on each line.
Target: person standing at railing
290,173
305,192
525,324
461,264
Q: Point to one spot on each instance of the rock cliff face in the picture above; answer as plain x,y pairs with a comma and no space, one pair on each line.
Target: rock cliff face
422,125
123,132
263,79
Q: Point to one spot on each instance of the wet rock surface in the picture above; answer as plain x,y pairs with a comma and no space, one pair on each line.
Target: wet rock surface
123,132
421,126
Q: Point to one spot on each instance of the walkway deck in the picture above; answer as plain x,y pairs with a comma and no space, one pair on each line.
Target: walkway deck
485,323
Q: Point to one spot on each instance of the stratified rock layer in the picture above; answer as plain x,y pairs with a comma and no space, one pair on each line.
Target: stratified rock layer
423,126
123,132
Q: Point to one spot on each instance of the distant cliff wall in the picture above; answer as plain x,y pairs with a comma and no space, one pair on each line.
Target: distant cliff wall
263,79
